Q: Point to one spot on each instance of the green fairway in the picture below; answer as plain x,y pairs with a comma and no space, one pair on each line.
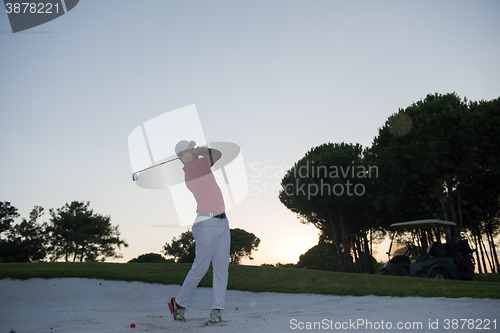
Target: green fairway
265,279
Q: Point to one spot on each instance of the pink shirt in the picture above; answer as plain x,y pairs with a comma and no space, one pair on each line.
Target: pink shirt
201,182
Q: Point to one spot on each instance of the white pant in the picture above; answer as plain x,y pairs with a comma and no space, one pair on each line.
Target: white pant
213,240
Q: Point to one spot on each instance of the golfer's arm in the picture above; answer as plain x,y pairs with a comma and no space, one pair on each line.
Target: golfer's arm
206,152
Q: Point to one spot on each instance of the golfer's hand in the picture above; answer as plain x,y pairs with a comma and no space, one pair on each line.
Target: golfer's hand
200,150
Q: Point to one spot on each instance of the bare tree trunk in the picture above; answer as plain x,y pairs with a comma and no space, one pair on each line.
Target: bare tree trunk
419,242
425,241
356,253
493,250
480,241
444,209
368,255
477,253
345,242
455,231
460,209
453,212
487,256
361,251
28,255
66,252
371,244
336,240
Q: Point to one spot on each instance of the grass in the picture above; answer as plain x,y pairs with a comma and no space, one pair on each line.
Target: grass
266,279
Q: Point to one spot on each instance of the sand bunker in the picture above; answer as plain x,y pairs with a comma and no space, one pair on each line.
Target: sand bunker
90,305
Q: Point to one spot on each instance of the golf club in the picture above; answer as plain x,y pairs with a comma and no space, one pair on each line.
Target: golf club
135,176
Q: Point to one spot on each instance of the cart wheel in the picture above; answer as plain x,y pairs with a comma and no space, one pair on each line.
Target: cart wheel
440,274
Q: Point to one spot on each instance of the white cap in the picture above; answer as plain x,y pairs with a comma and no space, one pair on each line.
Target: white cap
184,145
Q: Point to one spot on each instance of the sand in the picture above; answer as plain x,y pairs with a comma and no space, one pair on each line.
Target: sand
91,305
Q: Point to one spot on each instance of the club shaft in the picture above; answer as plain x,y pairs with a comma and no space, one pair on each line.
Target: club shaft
157,165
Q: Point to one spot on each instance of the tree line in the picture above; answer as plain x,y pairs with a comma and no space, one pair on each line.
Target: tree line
438,158
182,249
74,233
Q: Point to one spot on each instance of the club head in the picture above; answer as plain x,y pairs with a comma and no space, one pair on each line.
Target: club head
134,176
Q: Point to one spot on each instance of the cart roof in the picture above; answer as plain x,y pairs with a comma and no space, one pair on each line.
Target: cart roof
421,224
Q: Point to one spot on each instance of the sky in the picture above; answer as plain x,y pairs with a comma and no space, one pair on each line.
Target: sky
274,77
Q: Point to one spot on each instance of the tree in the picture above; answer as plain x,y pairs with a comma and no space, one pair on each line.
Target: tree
242,245
327,188
320,257
419,164
439,158
25,241
149,258
79,233
8,214
31,237
182,249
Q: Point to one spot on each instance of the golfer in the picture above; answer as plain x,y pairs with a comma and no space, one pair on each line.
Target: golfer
210,230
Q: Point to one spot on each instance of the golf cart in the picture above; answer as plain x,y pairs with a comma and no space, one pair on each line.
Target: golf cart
437,260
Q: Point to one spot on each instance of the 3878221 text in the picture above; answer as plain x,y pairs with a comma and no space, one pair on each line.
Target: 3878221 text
469,324
31,8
